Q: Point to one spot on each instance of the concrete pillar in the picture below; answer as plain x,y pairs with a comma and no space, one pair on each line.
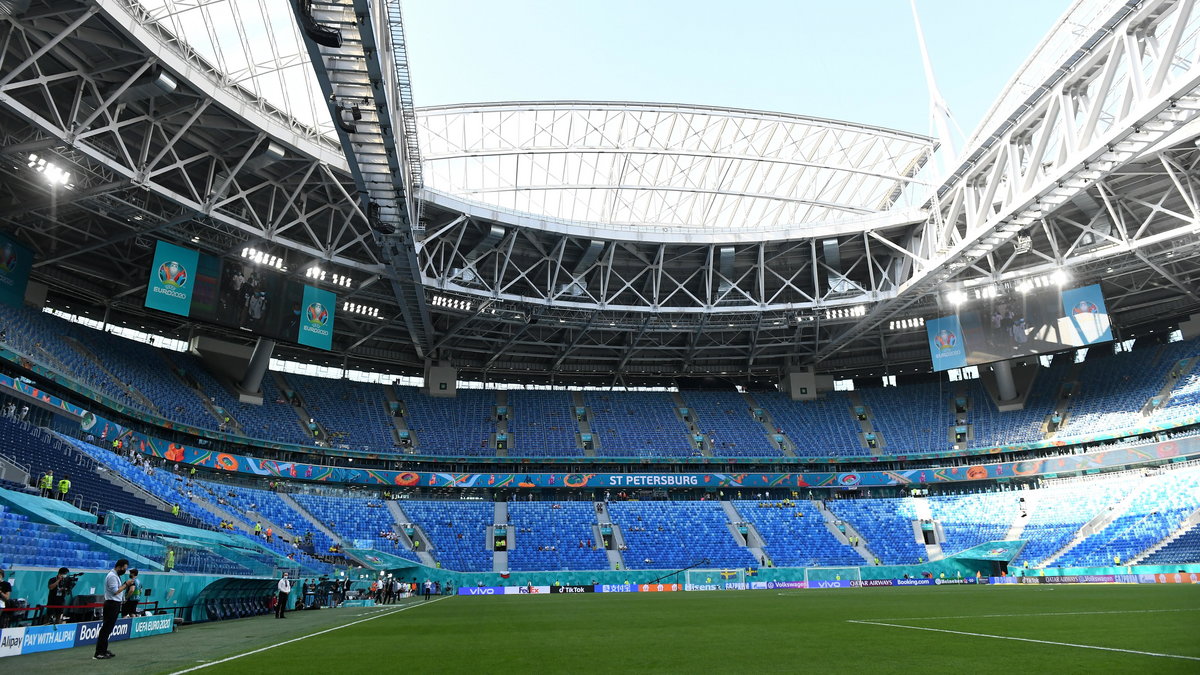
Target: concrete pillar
1005,388
257,366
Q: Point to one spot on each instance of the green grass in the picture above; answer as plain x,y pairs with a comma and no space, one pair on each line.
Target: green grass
723,632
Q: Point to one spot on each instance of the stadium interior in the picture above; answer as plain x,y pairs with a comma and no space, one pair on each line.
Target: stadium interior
357,341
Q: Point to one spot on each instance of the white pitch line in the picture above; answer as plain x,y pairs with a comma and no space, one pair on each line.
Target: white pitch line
380,615
1020,639
996,616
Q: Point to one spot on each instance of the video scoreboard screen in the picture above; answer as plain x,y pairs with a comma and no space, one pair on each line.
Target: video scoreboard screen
238,294
1019,324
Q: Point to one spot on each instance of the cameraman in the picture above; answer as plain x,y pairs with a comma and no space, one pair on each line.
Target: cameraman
114,595
59,587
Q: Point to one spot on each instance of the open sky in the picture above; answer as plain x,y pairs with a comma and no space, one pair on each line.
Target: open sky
855,60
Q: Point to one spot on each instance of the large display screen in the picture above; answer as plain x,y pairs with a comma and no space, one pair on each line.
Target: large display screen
1019,324
239,294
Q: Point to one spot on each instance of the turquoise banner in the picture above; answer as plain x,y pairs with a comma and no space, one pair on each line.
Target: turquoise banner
946,347
316,318
15,263
172,279
1084,309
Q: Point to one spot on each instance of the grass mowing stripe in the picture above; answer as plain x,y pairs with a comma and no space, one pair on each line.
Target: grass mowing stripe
999,616
1021,639
380,615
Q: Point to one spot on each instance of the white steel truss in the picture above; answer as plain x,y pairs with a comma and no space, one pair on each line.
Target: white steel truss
652,167
1095,169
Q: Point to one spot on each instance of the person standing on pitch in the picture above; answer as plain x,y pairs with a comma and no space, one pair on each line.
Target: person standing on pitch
114,595
285,588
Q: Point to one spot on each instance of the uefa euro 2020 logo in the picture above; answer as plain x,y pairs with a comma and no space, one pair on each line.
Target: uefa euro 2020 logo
1085,307
8,259
317,314
172,274
944,340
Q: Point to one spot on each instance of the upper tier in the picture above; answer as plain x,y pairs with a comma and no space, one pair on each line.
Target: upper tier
1109,394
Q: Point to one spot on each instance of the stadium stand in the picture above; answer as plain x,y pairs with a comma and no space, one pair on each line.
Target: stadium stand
674,535
451,427
638,424
553,536
354,413
1184,549
912,418
42,450
457,531
885,525
541,424
26,542
796,535
1059,512
971,520
822,427
725,418
1154,512
362,523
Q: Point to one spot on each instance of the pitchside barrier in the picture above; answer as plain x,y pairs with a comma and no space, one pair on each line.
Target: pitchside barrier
33,639
715,583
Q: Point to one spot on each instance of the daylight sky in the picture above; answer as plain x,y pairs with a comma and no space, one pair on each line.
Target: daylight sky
854,60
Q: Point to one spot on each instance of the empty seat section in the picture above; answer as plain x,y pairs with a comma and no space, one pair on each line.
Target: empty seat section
451,427
354,413
796,535
458,531
362,523
970,520
824,427
637,424
886,526
553,536
726,418
675,535
541,424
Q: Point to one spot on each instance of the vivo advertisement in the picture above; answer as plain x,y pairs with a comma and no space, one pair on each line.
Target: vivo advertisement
1042,321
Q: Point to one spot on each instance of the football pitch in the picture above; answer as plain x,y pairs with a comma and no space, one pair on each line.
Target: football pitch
961,629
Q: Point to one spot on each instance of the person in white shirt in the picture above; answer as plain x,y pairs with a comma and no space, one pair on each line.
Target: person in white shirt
114,595
285,588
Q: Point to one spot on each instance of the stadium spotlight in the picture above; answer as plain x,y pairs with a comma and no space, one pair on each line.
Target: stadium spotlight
956,298
53,173
1059,277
